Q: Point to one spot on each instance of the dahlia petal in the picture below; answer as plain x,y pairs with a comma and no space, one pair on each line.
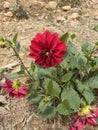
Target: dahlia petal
50,38
8,90
58,54
34,52
79,124
7,86
36,45
21,91
38,41
8,82
33,56
39,61
4,85
24,87
19,94
60,51
91,121
54,41
47,37
53,62
11,95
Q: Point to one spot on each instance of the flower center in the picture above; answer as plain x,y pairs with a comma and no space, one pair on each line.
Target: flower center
85,110
16,85
47,54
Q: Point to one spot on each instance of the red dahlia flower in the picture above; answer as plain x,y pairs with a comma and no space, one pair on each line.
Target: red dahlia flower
47,49
14,89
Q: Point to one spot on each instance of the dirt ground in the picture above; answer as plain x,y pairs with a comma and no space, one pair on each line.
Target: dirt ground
18,114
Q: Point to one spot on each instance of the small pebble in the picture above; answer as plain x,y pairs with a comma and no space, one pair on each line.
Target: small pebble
6,5
66,8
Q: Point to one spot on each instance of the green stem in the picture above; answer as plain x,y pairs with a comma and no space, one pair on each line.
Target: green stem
17,55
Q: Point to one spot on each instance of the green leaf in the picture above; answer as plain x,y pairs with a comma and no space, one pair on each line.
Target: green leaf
92,82
72,97
45,83
80,86
64,108
22,70
43,105
70,59
67,77
15,38
48,113
13,75
89,96
8,40
86,47
53,88
82,61
64,37
35,98
17,47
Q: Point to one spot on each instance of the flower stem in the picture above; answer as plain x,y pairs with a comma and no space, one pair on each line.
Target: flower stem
17,55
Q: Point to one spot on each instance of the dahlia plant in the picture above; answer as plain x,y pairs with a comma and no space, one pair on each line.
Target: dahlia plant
62,80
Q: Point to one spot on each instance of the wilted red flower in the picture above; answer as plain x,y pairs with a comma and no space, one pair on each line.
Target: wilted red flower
81,120
14,89
47,49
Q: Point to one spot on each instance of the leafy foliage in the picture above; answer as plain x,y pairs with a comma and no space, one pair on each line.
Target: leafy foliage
64,88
